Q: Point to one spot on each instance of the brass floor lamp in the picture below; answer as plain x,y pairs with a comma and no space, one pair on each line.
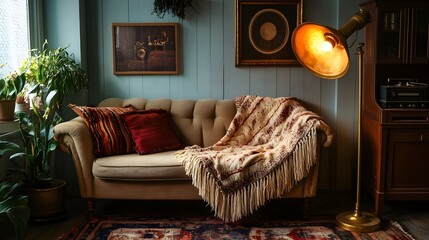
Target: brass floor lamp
324,52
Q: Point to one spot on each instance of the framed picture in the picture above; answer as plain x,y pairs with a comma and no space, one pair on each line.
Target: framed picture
264,31
145,48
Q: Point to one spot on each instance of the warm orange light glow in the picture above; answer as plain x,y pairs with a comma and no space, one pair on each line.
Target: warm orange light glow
323,50
308,49
326,46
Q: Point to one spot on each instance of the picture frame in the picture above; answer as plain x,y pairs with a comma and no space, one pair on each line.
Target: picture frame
264,31
145,48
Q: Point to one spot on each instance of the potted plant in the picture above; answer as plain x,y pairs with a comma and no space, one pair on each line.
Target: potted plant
50,75
36,130
52,70
22,101
10,87
175,7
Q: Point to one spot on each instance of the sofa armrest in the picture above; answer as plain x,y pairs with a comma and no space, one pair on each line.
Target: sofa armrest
325,134
75,138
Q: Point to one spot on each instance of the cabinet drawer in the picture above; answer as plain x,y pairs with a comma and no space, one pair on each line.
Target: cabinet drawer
408,160
406,117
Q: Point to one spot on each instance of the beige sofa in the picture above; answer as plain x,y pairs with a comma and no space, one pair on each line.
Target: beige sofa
158,175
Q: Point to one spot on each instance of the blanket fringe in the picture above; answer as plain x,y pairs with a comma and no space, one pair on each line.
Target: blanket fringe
233,206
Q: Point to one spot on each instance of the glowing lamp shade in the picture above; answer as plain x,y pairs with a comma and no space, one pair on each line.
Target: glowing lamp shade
323,50
318,49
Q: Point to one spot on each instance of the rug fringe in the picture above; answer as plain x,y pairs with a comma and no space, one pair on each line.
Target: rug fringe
398,225
233,206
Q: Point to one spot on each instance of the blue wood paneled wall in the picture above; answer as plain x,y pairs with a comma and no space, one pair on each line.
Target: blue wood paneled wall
207,48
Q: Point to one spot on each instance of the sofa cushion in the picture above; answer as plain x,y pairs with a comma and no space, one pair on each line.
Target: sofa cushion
151,131
156,166
109,131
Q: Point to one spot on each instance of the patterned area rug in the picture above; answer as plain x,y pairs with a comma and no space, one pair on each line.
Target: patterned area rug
115,228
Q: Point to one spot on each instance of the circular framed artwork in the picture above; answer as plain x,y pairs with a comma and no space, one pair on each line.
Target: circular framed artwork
268,31
264,30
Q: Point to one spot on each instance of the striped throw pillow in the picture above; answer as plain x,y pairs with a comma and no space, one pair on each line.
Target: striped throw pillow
109,132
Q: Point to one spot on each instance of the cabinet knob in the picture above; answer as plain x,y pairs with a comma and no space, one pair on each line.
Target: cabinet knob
421,137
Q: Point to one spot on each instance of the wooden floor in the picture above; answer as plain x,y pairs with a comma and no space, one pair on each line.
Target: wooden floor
413,216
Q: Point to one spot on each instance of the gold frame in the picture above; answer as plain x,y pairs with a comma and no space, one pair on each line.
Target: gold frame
259,38
145,48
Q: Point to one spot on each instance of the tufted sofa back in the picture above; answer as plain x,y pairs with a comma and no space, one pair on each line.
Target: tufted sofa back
196,122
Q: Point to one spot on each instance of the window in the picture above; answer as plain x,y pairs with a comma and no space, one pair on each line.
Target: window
14,34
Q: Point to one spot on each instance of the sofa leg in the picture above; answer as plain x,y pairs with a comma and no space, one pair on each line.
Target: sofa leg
90,207
305,207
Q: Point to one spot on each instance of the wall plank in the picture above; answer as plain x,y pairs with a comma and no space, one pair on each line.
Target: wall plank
236,80
113,12
136,8
263,81
283,82
203,41
216,49
95,51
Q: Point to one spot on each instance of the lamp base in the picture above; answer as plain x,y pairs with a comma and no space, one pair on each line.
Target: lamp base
356,221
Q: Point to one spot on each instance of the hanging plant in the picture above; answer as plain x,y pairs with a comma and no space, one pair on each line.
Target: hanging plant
174,7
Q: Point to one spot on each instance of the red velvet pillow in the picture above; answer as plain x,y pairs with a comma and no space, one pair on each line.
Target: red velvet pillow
109,132
151,131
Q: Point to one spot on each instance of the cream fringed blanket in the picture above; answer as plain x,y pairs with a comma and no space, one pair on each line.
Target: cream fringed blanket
270,145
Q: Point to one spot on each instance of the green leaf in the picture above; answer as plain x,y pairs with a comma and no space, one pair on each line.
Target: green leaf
19,217
19,83
11,91
17,155
51,99
18,211
2,83
35,88
6,188
15,207
52,146
8,146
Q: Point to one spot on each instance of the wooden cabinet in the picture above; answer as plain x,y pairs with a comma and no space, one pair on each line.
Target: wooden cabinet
407,153
403,33
395,141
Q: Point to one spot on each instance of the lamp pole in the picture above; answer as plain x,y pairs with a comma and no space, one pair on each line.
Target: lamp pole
324,52
358,221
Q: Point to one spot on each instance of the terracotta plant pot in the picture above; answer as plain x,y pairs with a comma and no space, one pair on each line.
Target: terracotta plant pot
49,202
7,110
22,107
